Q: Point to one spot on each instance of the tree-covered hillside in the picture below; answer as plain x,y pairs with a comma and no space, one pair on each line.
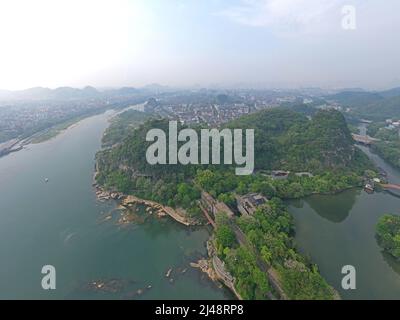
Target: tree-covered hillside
122,125
381,110
376,106
388,145
355,98
388,234
284,140
288,140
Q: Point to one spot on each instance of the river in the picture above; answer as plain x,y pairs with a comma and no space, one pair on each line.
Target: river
339,230
57,223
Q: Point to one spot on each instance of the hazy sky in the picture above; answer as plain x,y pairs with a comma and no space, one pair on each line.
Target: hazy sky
276,43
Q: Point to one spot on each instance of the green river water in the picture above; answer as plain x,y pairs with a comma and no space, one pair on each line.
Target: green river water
57,223
339,230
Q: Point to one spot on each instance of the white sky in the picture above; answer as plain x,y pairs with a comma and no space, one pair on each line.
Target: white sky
185,42
54,43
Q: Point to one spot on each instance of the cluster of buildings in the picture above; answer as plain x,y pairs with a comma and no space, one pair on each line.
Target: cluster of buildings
209,109
331,105
209,114
214,206
212,114
25,118
246,204
392,124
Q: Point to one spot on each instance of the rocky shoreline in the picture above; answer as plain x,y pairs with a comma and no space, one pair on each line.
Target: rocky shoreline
128,201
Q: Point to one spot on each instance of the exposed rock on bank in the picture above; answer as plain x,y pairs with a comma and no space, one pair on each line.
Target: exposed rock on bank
128,201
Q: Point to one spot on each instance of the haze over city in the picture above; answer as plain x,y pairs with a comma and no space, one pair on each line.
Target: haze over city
245,43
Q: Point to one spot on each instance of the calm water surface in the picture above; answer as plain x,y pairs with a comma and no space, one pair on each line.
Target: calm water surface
57,223
339,230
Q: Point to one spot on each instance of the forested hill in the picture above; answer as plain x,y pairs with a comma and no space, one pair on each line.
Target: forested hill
288,140
284,139
381,110
376,106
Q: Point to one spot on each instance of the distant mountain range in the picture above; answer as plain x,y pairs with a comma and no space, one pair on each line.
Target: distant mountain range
376,106
69,93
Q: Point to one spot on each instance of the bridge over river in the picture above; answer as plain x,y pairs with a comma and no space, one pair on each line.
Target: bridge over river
363,139
391,186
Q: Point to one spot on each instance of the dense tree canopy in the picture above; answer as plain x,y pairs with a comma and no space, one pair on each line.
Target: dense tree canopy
285,140
388,234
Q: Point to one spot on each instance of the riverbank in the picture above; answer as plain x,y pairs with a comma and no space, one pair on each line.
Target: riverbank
53,131
128,201
57,223
210,265
215,269
18,144
178,214
50,132
10,147
339,230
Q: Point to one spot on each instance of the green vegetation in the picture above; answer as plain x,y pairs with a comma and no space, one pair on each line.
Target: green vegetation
389,145
224,235
388,150
251,282
270,235
53,131
287,140
305,283
381,110
270,231
353,128
122,125
356,99
222,184
388,234
377,106
124,167
284,140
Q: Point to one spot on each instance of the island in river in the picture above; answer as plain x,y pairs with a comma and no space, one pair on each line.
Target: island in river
255,249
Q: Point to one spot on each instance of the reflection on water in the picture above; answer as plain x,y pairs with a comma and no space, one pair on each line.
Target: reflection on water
392,262
339,230
333,244
328,207
393,193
